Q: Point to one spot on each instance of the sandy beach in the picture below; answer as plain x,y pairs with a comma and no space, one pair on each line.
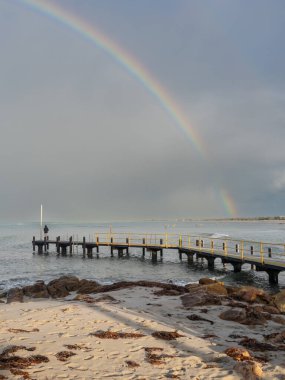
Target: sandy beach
119,335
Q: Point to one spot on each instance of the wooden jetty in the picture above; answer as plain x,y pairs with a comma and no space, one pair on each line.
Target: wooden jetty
266,257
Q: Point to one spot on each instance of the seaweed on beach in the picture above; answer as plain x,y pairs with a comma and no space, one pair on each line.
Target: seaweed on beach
73,346
195,317
255,345
115,335
63,356
132,364
166,335
16,331
153,358
15,363
18,372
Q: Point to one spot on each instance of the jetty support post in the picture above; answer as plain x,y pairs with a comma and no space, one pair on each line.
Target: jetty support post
143,249
70,246
127,249
57,245
97,247
190,258
112,249
211,262
34,244
89,252
180,254
237,267
273,276
40,248
45,245
251,252
161,251
84,247
154,256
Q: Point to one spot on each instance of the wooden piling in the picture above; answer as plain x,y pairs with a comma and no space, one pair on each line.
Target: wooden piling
34,244
70,246
84,246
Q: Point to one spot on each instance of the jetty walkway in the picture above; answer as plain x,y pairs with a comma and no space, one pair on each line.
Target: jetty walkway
262,256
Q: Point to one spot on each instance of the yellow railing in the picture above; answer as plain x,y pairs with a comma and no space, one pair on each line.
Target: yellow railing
260,252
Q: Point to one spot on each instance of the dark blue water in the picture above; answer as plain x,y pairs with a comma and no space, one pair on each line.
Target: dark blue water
18,266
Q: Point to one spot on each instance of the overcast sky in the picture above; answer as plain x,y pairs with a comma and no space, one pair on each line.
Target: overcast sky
82,136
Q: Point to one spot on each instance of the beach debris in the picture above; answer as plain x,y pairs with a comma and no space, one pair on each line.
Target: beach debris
154,358
195,317
255,345
207,336
278,337
204,311
63,356
15,363
166,335
73,346
238,354
132,363
17,331
249,370
153,304
2,377
115,335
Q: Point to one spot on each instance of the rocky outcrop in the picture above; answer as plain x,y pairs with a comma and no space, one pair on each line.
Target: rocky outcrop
87,287
200,298
248,316
37,290
250,294
62,286
15,295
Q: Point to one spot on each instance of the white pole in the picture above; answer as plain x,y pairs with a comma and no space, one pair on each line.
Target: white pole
41,234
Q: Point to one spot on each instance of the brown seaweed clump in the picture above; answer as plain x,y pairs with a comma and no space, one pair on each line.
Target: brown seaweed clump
166,335
15,363
132,364
63,356
153,358
115,335
16,331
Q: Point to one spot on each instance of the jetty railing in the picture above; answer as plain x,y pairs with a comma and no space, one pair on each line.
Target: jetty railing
264,256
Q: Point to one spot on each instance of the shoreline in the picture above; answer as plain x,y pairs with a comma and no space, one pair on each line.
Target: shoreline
82,332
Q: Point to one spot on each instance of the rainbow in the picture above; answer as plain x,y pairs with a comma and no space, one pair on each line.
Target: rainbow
134,68
229,203
125,59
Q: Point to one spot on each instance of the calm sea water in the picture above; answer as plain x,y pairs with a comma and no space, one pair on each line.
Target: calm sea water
19,266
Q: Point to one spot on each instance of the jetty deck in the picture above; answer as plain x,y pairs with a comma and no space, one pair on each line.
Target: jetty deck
262,256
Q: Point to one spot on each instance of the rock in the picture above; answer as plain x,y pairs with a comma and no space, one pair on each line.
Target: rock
62,286
250,294
279,300
207,281
233,315
238,354
249,370
266,309
200,298
217,288
87,286
15,295
244,316
37,290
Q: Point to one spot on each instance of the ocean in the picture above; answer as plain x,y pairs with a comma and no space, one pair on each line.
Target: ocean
19,266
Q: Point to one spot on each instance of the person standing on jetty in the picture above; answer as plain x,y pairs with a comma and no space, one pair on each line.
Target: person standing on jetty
46,230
